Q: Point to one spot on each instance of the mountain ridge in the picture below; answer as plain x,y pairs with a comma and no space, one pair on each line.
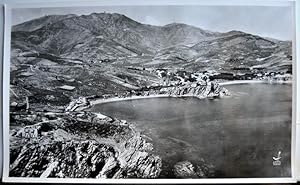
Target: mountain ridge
101,36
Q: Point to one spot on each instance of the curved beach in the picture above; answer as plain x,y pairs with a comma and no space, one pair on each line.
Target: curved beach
253,82
114,99
242,82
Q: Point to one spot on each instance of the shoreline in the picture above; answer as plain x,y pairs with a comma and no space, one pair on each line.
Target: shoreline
242,82
115,99
252,82
108,100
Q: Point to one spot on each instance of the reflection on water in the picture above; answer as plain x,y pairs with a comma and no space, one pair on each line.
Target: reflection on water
238,135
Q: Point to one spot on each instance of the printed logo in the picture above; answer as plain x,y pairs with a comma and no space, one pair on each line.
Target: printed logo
276,160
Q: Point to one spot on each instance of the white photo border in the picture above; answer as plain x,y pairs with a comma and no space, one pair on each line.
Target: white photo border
295,152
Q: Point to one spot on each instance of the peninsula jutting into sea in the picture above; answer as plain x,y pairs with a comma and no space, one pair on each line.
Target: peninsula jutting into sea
104,96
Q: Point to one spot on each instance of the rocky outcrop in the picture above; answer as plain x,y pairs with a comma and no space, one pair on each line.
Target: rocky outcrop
185,169
81,145
78,104
211,89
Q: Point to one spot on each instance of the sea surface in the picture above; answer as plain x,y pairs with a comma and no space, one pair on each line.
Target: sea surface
238,135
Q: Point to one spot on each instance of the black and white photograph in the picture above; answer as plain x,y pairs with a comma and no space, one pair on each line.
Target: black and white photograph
151,92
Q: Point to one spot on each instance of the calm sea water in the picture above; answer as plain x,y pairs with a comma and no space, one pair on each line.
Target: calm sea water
239,135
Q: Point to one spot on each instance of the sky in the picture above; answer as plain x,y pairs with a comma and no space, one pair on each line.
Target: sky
267,21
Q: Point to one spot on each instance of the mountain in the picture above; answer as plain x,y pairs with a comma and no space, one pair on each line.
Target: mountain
101,36
40,22
112,34
227,51
56,57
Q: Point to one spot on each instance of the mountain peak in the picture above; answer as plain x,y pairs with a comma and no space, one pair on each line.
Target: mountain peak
107,15
235,32
175,24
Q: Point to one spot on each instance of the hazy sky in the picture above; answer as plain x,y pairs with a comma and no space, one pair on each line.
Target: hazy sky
268,21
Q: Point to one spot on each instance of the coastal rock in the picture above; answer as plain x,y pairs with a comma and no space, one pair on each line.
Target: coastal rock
78,104
217,90
224,92
73,159
78,146
185,169
136,160
197,90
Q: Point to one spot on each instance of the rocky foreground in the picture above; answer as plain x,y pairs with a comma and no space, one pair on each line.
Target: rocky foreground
79,145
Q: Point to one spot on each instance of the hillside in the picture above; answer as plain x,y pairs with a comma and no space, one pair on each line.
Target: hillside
59,57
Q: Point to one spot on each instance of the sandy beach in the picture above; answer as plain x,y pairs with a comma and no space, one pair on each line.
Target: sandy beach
253,81
242,82
114,99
